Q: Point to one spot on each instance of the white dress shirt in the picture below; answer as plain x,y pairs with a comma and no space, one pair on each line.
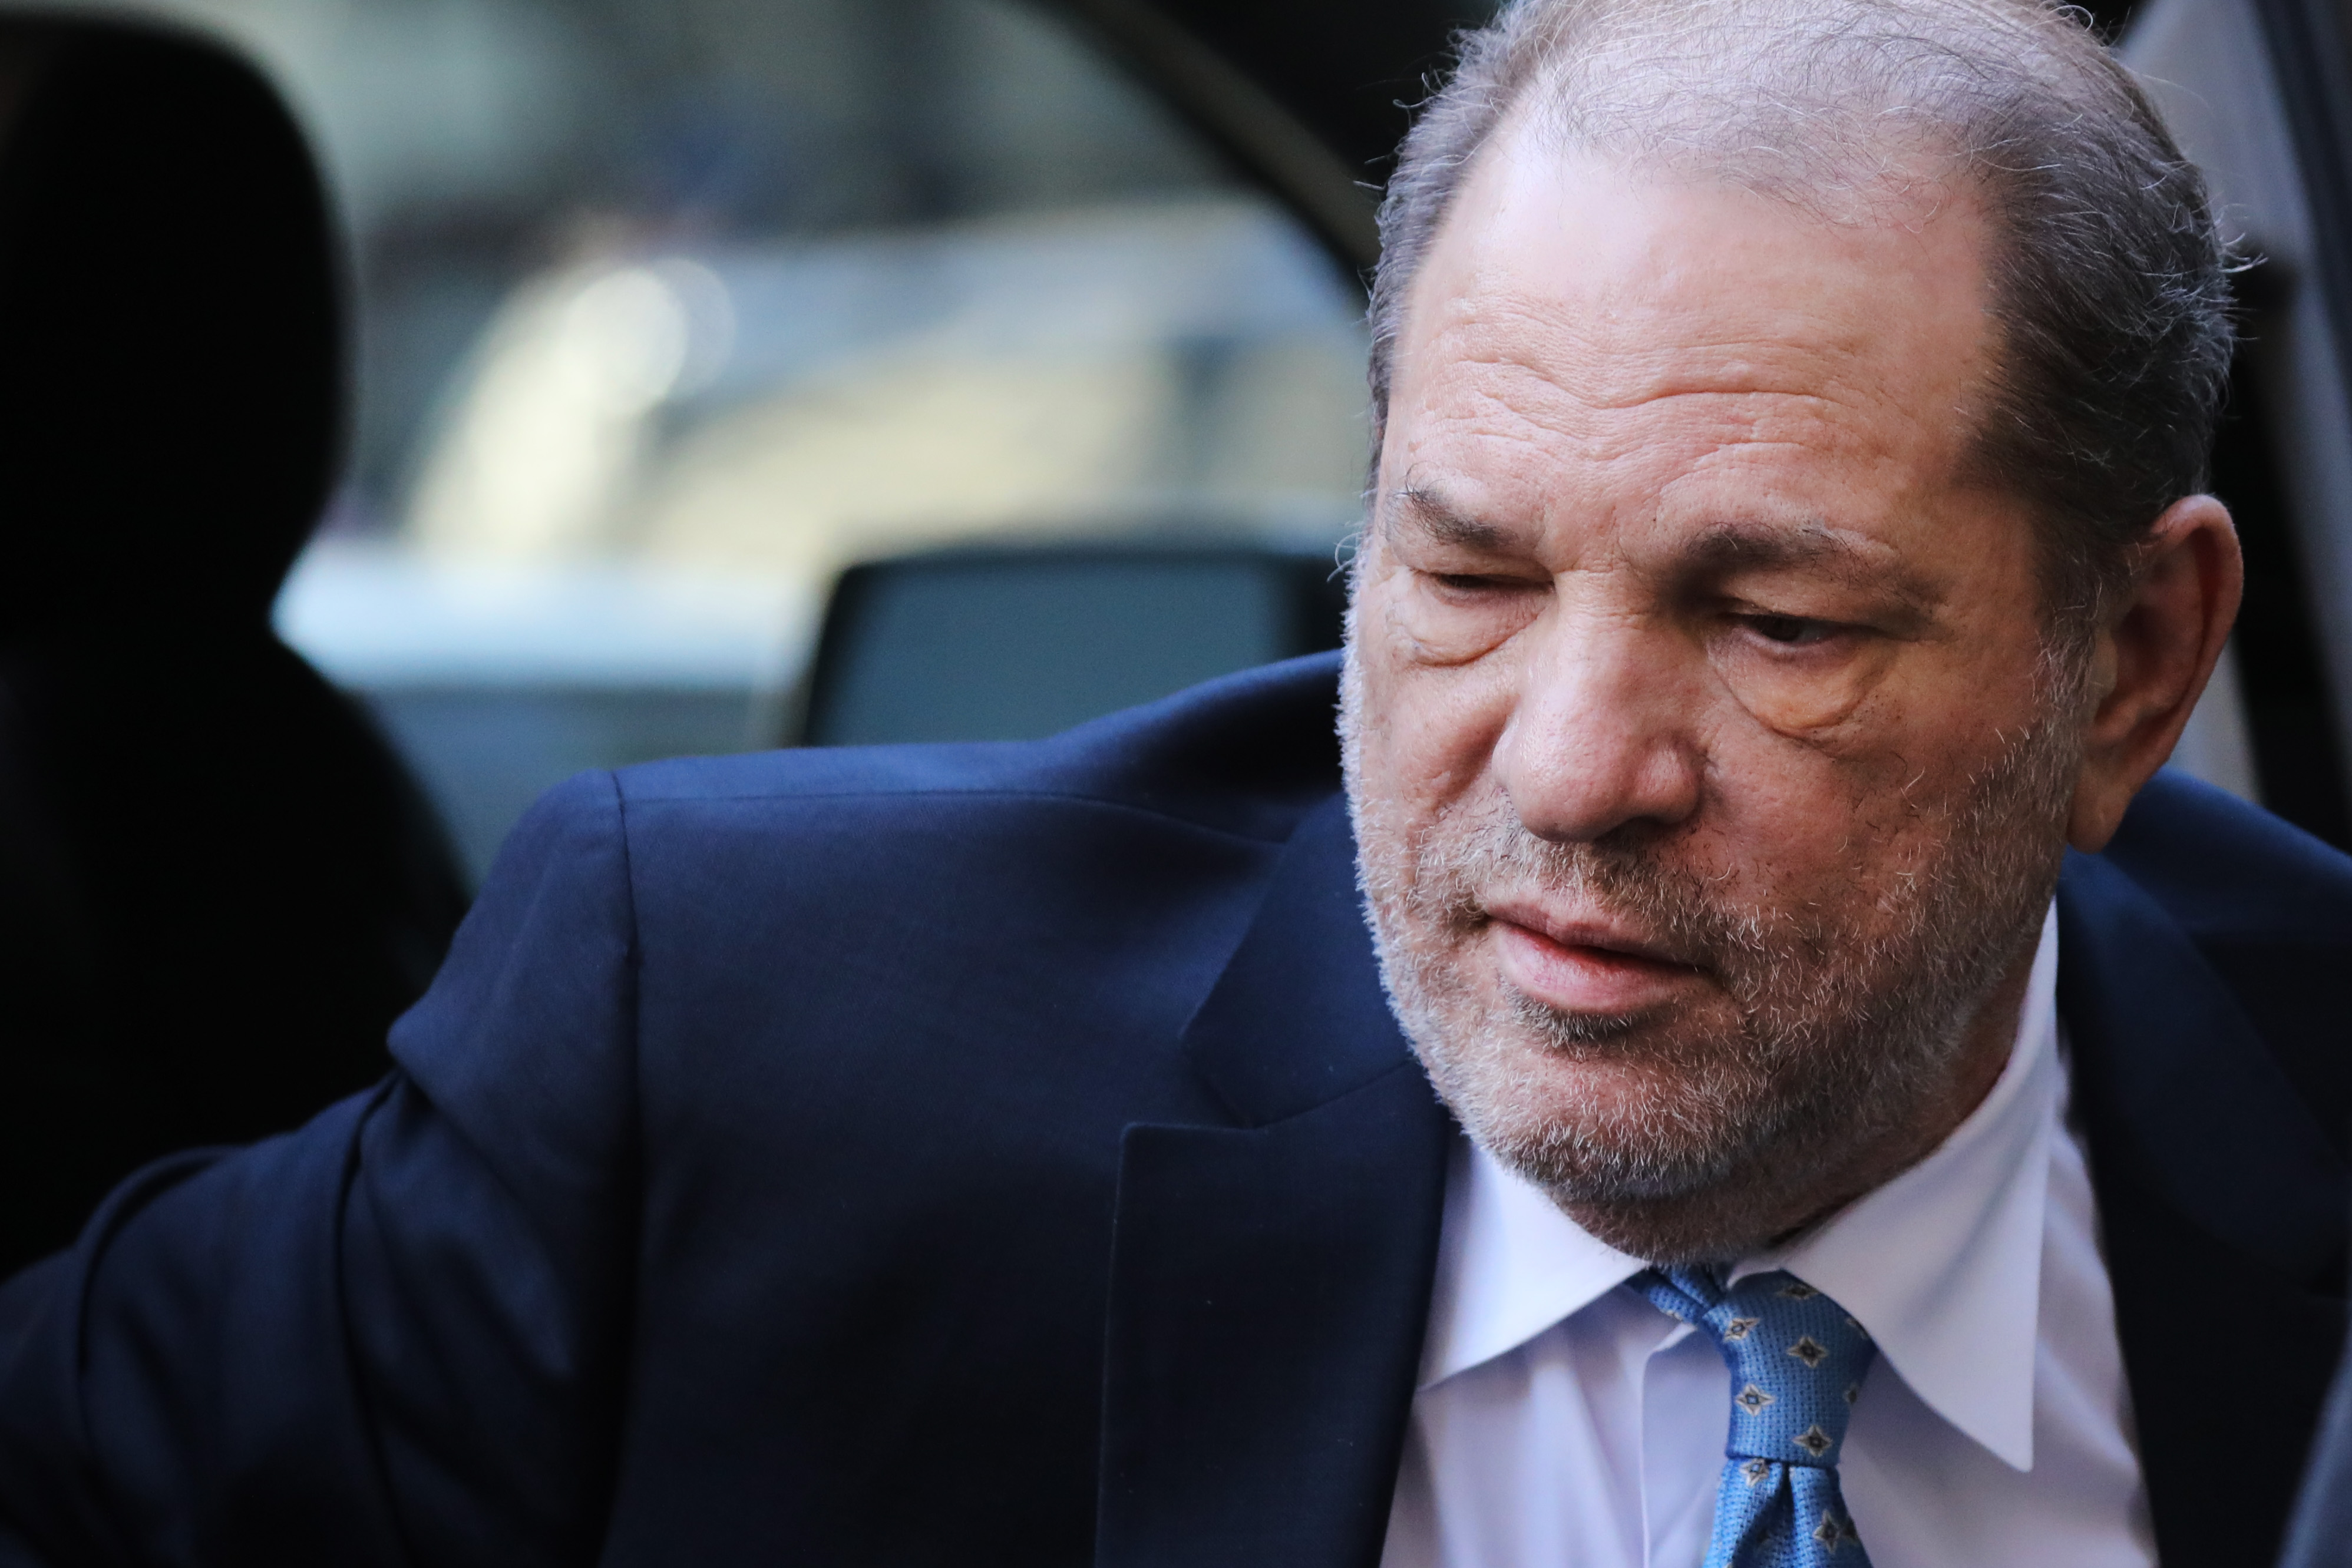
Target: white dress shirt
1561,1421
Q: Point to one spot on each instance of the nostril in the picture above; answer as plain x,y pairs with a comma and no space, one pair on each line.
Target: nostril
1587,776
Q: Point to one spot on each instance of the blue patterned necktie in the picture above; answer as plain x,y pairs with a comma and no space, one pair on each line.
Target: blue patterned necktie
1797,1363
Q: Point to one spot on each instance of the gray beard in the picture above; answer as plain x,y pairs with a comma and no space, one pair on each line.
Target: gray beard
1844,1035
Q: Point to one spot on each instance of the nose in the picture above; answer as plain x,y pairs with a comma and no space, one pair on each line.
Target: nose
1601,736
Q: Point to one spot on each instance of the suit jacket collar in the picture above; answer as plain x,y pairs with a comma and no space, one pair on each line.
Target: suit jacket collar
1299,1018
1270,1280
2170,1068
2222,1208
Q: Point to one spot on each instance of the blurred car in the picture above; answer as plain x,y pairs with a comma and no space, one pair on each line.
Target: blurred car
671,313
658,461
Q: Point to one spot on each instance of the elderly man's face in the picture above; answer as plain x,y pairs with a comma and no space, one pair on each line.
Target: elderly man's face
1710,772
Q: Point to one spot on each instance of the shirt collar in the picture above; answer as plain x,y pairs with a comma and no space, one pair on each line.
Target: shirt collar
1942,1264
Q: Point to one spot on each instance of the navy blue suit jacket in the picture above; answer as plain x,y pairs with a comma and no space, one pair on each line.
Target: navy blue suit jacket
1004,1155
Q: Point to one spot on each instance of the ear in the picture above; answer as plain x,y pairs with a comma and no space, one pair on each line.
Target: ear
2151,664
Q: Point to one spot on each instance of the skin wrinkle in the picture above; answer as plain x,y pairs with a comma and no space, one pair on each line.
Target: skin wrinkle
1739,381
1744,413
1588,422
1587,721
1720,546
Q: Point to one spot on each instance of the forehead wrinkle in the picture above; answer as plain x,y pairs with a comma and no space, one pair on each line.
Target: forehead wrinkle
1576,398
1718,425
1651,335
1609,358
1714,433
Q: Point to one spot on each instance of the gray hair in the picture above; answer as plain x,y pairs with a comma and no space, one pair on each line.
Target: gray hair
2109,276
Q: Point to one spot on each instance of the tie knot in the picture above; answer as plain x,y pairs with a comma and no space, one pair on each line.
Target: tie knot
1796,1358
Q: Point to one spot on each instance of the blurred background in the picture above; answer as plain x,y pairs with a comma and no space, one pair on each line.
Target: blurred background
669,309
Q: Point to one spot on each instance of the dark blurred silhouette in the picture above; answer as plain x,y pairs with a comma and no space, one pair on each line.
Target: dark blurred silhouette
217,886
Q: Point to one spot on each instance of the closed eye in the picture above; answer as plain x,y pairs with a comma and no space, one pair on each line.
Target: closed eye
1792,630
1482,583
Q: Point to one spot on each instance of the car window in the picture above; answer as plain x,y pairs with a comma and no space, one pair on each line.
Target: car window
2273,723
670,309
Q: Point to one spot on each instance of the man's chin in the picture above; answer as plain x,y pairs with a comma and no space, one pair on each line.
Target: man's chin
1591,1091
1630,1148
1711,1226
1661,1210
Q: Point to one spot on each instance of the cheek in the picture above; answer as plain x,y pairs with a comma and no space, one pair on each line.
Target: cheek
1846,781
1428,730
1840,833
1803,700
1439,631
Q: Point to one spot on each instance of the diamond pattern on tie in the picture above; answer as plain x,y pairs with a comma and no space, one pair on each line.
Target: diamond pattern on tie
1797,1362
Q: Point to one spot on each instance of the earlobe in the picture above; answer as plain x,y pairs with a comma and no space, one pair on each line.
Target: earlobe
2154,659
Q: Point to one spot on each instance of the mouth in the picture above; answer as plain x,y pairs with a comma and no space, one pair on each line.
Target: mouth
1581,965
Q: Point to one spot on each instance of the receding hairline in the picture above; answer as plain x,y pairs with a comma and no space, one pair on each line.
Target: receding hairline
2111,322
1908,246
1856,165
1860,167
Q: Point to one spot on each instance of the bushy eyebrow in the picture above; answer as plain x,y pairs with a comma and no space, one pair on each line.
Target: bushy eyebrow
1723,549
1755,547
1718,550
1445,523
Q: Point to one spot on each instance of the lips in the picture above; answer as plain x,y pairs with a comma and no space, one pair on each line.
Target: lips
1585,966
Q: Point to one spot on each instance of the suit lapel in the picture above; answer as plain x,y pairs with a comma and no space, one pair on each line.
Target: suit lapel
1270,1280
2222,1208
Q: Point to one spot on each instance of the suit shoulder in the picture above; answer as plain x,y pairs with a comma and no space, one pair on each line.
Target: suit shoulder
1246,754
2228,870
